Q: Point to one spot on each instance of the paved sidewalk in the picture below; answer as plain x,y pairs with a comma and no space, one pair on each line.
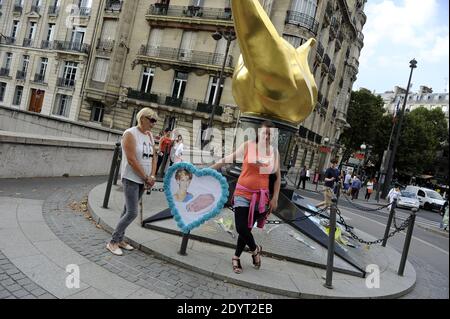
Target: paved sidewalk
276,276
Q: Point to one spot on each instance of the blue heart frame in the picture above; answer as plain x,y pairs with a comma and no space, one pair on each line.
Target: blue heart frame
198,173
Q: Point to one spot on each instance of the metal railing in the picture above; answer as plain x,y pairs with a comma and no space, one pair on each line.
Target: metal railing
326,60
184,103
190,12
320,50
35,8
7,40
113,6
27,42
65,83
21,75
188,56
303,20
18,9
105,45
69,46
81,11
4,72
53,10
39,78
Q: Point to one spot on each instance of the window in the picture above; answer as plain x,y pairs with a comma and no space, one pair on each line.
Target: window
62,106
179,85
295,41
18,95
98,110
212,90
421,193
77,37
15,29
43,68
8,60
31,31
70,72
25,63
2,91
187,44
308,7
147,79
50,31
100,70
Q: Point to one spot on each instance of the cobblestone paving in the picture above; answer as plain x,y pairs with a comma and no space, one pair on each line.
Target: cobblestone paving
16,285
72,227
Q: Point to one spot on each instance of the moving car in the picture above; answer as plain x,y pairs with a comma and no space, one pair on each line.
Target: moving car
408,200
428,198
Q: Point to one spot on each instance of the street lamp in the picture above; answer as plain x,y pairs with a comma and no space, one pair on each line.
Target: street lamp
363,148
230,36
390,170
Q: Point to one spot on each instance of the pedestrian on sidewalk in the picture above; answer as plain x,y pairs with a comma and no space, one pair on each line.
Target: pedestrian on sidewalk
347,181
369,191
302,178
261,161
176,155
165,144
356,186
331,177
394,194
137,172
444,223
308,174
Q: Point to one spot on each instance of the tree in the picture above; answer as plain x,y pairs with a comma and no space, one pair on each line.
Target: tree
367,125
423,133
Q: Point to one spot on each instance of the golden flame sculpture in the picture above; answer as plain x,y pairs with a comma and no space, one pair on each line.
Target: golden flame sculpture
272,79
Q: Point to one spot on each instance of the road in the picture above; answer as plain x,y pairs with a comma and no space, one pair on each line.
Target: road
429,251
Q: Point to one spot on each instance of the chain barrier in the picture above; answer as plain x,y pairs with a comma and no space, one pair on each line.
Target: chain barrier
364,208
402,227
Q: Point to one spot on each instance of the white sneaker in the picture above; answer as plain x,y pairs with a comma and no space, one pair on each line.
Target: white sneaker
117,251
126,246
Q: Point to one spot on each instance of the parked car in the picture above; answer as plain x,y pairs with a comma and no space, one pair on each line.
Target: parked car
408,200
428,198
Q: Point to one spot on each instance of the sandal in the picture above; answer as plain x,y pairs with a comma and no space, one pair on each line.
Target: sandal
237,268
256,260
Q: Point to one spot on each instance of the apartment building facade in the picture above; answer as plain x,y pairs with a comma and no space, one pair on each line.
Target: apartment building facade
161,54
44,52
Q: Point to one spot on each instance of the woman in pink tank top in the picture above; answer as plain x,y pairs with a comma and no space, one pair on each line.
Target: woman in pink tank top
252,201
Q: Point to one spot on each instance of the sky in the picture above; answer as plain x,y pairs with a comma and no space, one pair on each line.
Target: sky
398,31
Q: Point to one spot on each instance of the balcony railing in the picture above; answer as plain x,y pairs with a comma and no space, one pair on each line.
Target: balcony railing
113,6
65,83
7,40
21,75
311,136
320,49
53,10
190,12
188,56
4,72
105,45
137,95
39,78
27,42
67,46
302,20
35,8
318,139
184,103
332,72
326,61
18,9
81,11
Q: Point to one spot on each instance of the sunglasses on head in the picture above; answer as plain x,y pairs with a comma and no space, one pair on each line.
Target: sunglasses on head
152,120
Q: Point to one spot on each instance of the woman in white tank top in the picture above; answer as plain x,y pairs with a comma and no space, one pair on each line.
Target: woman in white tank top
138,172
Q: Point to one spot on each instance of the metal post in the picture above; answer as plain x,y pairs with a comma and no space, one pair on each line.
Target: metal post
409,234
389,223
390,171
331,241
111,175
116,174
184,244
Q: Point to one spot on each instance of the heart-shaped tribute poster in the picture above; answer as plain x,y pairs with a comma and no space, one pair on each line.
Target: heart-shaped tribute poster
194,195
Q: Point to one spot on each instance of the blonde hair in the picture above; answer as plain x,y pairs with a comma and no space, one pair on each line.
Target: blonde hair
146,112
